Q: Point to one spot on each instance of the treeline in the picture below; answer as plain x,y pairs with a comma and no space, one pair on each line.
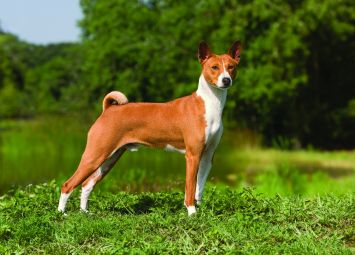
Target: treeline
295,83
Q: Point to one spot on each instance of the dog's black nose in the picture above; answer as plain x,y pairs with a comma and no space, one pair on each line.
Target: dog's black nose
226,81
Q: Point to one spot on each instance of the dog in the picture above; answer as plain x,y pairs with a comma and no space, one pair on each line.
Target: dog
191,125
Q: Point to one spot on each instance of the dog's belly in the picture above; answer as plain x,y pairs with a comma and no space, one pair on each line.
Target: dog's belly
163,142
169,138
168,147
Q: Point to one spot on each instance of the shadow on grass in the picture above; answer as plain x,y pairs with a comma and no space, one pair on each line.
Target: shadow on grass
146,203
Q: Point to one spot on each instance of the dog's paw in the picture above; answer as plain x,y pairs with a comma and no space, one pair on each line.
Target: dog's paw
191,210
62,212
86,211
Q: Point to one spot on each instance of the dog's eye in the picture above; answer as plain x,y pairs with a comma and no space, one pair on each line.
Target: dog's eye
230,67
215,68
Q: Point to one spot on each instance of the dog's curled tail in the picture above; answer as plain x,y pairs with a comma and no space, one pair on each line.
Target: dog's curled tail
114,98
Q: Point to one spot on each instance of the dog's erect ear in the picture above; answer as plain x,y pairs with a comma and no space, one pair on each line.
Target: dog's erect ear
235,50
204,52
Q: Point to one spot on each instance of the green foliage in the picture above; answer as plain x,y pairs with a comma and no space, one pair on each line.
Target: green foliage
12,69
147,49
295,81
55,84
276,68
229,222
12,101
38,79
288,180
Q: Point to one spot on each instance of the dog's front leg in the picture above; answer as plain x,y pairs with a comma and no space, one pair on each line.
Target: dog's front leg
206,164
192,164
203,172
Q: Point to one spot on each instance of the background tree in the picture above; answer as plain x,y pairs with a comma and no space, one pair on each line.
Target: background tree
12,71
295,83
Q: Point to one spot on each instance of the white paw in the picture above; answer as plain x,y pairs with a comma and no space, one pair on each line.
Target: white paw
62,212
191,210
84,210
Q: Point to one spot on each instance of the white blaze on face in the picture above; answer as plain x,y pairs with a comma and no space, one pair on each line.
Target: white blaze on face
222,75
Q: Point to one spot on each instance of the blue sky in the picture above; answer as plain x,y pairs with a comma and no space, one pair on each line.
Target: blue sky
41,21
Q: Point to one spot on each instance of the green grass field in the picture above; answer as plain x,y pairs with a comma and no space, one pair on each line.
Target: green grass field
228,222
281,201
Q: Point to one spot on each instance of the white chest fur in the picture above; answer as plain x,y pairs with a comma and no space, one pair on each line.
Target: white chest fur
214,99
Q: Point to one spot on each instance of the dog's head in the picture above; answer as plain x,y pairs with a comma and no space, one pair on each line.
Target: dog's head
219,70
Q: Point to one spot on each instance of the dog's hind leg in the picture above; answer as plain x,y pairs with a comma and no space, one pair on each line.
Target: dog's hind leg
86,167
98,149
89,184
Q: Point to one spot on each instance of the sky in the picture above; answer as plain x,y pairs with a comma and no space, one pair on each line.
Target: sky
41,21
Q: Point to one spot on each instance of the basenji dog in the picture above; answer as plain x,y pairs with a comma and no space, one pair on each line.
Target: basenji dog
191,125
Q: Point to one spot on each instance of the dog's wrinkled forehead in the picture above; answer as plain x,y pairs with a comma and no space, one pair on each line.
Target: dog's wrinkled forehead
220,63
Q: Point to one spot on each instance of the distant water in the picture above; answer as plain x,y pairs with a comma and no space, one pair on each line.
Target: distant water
49,148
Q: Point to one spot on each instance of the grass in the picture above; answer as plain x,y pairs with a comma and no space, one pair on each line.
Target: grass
287,180
302,202
330,161
228,222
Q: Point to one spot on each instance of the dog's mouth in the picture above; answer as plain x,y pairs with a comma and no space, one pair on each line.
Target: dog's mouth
220,86
224,86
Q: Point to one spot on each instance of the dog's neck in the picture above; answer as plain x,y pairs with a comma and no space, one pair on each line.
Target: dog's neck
213,97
